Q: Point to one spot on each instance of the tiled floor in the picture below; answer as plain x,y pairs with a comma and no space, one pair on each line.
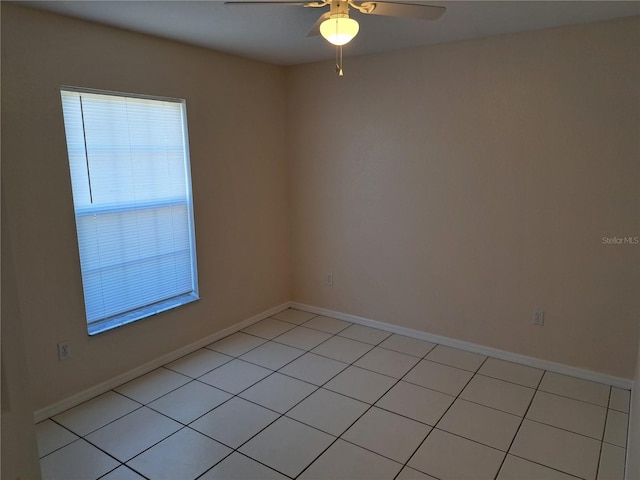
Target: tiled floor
310,397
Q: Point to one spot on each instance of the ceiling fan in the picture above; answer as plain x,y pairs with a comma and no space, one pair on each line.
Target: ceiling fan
339,29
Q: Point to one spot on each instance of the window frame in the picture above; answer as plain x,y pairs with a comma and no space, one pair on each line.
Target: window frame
140,312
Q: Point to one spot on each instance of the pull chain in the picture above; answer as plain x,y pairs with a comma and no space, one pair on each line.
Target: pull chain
339,61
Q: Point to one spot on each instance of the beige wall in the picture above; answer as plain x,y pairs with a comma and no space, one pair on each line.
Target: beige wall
454,189
19,450
236,115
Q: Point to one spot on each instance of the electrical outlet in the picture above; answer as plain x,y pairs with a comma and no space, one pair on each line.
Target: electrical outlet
64,350
538,318
328,279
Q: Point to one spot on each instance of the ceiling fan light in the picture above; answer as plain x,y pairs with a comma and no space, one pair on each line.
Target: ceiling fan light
339,29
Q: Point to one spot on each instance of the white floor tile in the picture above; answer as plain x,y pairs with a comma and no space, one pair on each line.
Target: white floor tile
408,345
268,328
389,398
387,434
620,399
498,394
611,465
327,324
148,387
616,429
234,422
185,455
78,460
576,388
122,473
436,376
198,363
450,457
482,424
362,333
237,344
292,315
360,384
342,349
568,414
278,392
328,411
387,362
416,402
190,401
272,355
52,436
96,413
511,372
516,468
238,467
235,376
303,338
287,446
130,435
455,357
344,460
313,368
565,451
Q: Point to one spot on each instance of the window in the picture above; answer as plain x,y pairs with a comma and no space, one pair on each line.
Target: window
129,164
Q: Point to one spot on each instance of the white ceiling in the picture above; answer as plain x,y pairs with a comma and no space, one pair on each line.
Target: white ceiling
277,34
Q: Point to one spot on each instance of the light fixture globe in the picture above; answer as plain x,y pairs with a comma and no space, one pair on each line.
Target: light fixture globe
339,29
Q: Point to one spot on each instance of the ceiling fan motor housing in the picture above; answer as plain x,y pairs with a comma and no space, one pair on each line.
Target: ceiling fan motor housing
339,29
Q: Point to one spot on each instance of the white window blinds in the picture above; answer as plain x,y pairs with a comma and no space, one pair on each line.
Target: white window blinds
129,164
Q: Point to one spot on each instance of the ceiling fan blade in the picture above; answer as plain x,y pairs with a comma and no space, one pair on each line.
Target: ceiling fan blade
309,3
315,30
392,9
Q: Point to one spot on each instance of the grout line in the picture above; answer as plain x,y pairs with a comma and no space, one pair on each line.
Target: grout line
402,465
573,398
292,407
564,430
507,381
339,437
370,405
543,465
101,426
215,440
520,425
443,413
183,426
152,371
40,457
604,431
342,369
248,457
489,407
123,465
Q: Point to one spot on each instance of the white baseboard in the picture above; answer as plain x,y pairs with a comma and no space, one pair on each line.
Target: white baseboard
77,399
474,347
633,436
67,403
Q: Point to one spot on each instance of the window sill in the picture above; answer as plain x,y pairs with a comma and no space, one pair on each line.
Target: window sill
130,317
